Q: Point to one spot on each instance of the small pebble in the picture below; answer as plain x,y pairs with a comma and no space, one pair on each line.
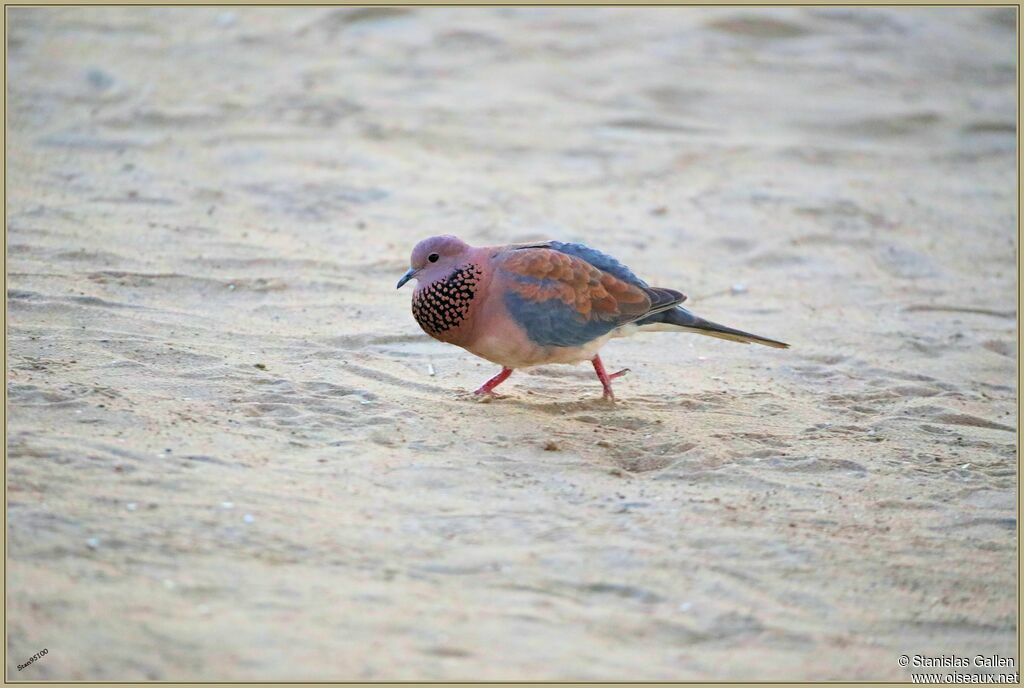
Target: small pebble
227,505
261,366
131,506
551,446
93,543
99,79
738,288
248,518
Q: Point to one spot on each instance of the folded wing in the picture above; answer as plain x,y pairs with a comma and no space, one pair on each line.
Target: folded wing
560,298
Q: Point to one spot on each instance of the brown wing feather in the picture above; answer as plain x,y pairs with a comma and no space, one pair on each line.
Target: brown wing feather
593,293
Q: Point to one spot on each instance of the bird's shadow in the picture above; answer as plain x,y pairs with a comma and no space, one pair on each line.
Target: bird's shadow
554,408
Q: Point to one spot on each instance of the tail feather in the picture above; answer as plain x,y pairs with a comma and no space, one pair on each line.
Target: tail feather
681,318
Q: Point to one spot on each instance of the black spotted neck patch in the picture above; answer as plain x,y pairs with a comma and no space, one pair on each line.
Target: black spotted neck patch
443,305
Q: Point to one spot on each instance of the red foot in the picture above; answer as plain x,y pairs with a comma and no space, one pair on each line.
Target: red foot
488,387
605,378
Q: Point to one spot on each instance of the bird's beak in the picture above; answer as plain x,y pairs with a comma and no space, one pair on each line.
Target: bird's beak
410,273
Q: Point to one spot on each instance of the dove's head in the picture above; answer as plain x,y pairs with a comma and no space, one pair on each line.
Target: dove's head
435,258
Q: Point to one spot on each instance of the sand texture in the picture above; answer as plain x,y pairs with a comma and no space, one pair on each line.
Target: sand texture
232,454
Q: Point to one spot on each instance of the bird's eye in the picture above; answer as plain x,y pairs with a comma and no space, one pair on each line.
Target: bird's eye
433,257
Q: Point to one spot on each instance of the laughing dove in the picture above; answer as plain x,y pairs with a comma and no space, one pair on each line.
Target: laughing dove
551,302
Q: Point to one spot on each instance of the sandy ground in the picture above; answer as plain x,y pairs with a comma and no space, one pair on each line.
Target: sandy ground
228,455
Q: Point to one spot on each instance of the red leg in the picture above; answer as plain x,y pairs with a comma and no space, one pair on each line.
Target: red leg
605,378
488,387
